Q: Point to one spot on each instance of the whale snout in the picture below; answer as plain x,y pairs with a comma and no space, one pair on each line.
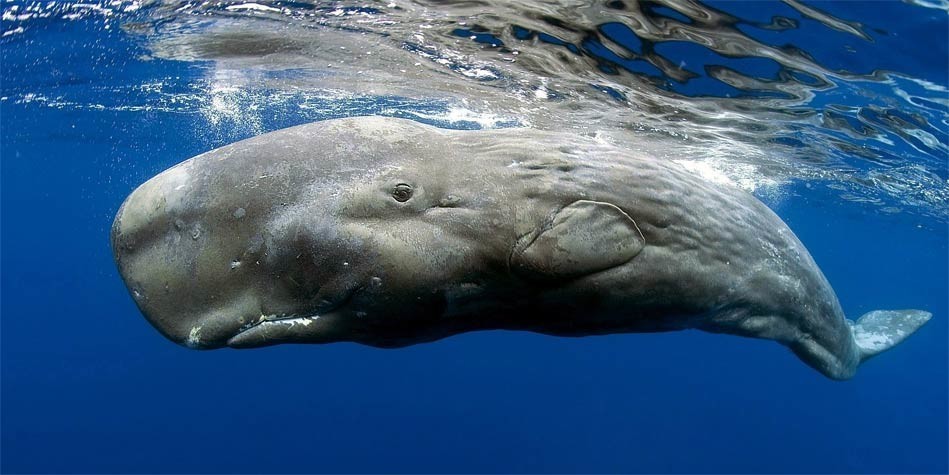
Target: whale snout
160,245
228,247
194,252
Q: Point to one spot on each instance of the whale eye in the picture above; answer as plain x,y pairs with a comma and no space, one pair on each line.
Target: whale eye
402,192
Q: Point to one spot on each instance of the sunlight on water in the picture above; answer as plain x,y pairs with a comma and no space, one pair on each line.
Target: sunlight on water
740,91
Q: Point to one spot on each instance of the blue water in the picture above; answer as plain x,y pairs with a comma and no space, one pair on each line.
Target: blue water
89,386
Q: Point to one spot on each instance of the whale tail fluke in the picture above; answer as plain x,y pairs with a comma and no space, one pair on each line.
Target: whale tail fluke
880,330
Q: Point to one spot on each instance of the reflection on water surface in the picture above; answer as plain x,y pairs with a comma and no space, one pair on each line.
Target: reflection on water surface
757,93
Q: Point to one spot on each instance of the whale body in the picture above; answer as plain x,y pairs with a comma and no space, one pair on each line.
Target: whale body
388,232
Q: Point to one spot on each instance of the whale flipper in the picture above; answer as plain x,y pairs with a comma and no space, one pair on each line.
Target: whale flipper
582,238
880,330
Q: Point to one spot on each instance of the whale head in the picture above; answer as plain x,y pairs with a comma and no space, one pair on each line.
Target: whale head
335,231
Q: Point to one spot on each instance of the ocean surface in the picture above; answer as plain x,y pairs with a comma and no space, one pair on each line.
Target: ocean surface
832,113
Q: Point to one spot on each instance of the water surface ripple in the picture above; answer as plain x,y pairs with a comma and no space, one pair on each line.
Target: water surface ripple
759,94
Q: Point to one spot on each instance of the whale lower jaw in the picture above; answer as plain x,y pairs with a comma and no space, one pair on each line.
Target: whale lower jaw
274,331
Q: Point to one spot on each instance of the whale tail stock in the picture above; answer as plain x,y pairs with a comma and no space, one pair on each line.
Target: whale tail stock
837,353
880,330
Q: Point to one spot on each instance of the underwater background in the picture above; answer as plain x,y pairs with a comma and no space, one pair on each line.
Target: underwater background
832,113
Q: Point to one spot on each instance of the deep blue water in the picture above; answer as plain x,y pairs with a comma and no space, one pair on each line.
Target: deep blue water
89,386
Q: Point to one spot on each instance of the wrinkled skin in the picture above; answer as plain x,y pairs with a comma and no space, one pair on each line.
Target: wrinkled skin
387,232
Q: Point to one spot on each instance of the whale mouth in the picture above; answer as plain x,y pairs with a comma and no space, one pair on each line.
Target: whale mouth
314,327
275,329
270,330
277,319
